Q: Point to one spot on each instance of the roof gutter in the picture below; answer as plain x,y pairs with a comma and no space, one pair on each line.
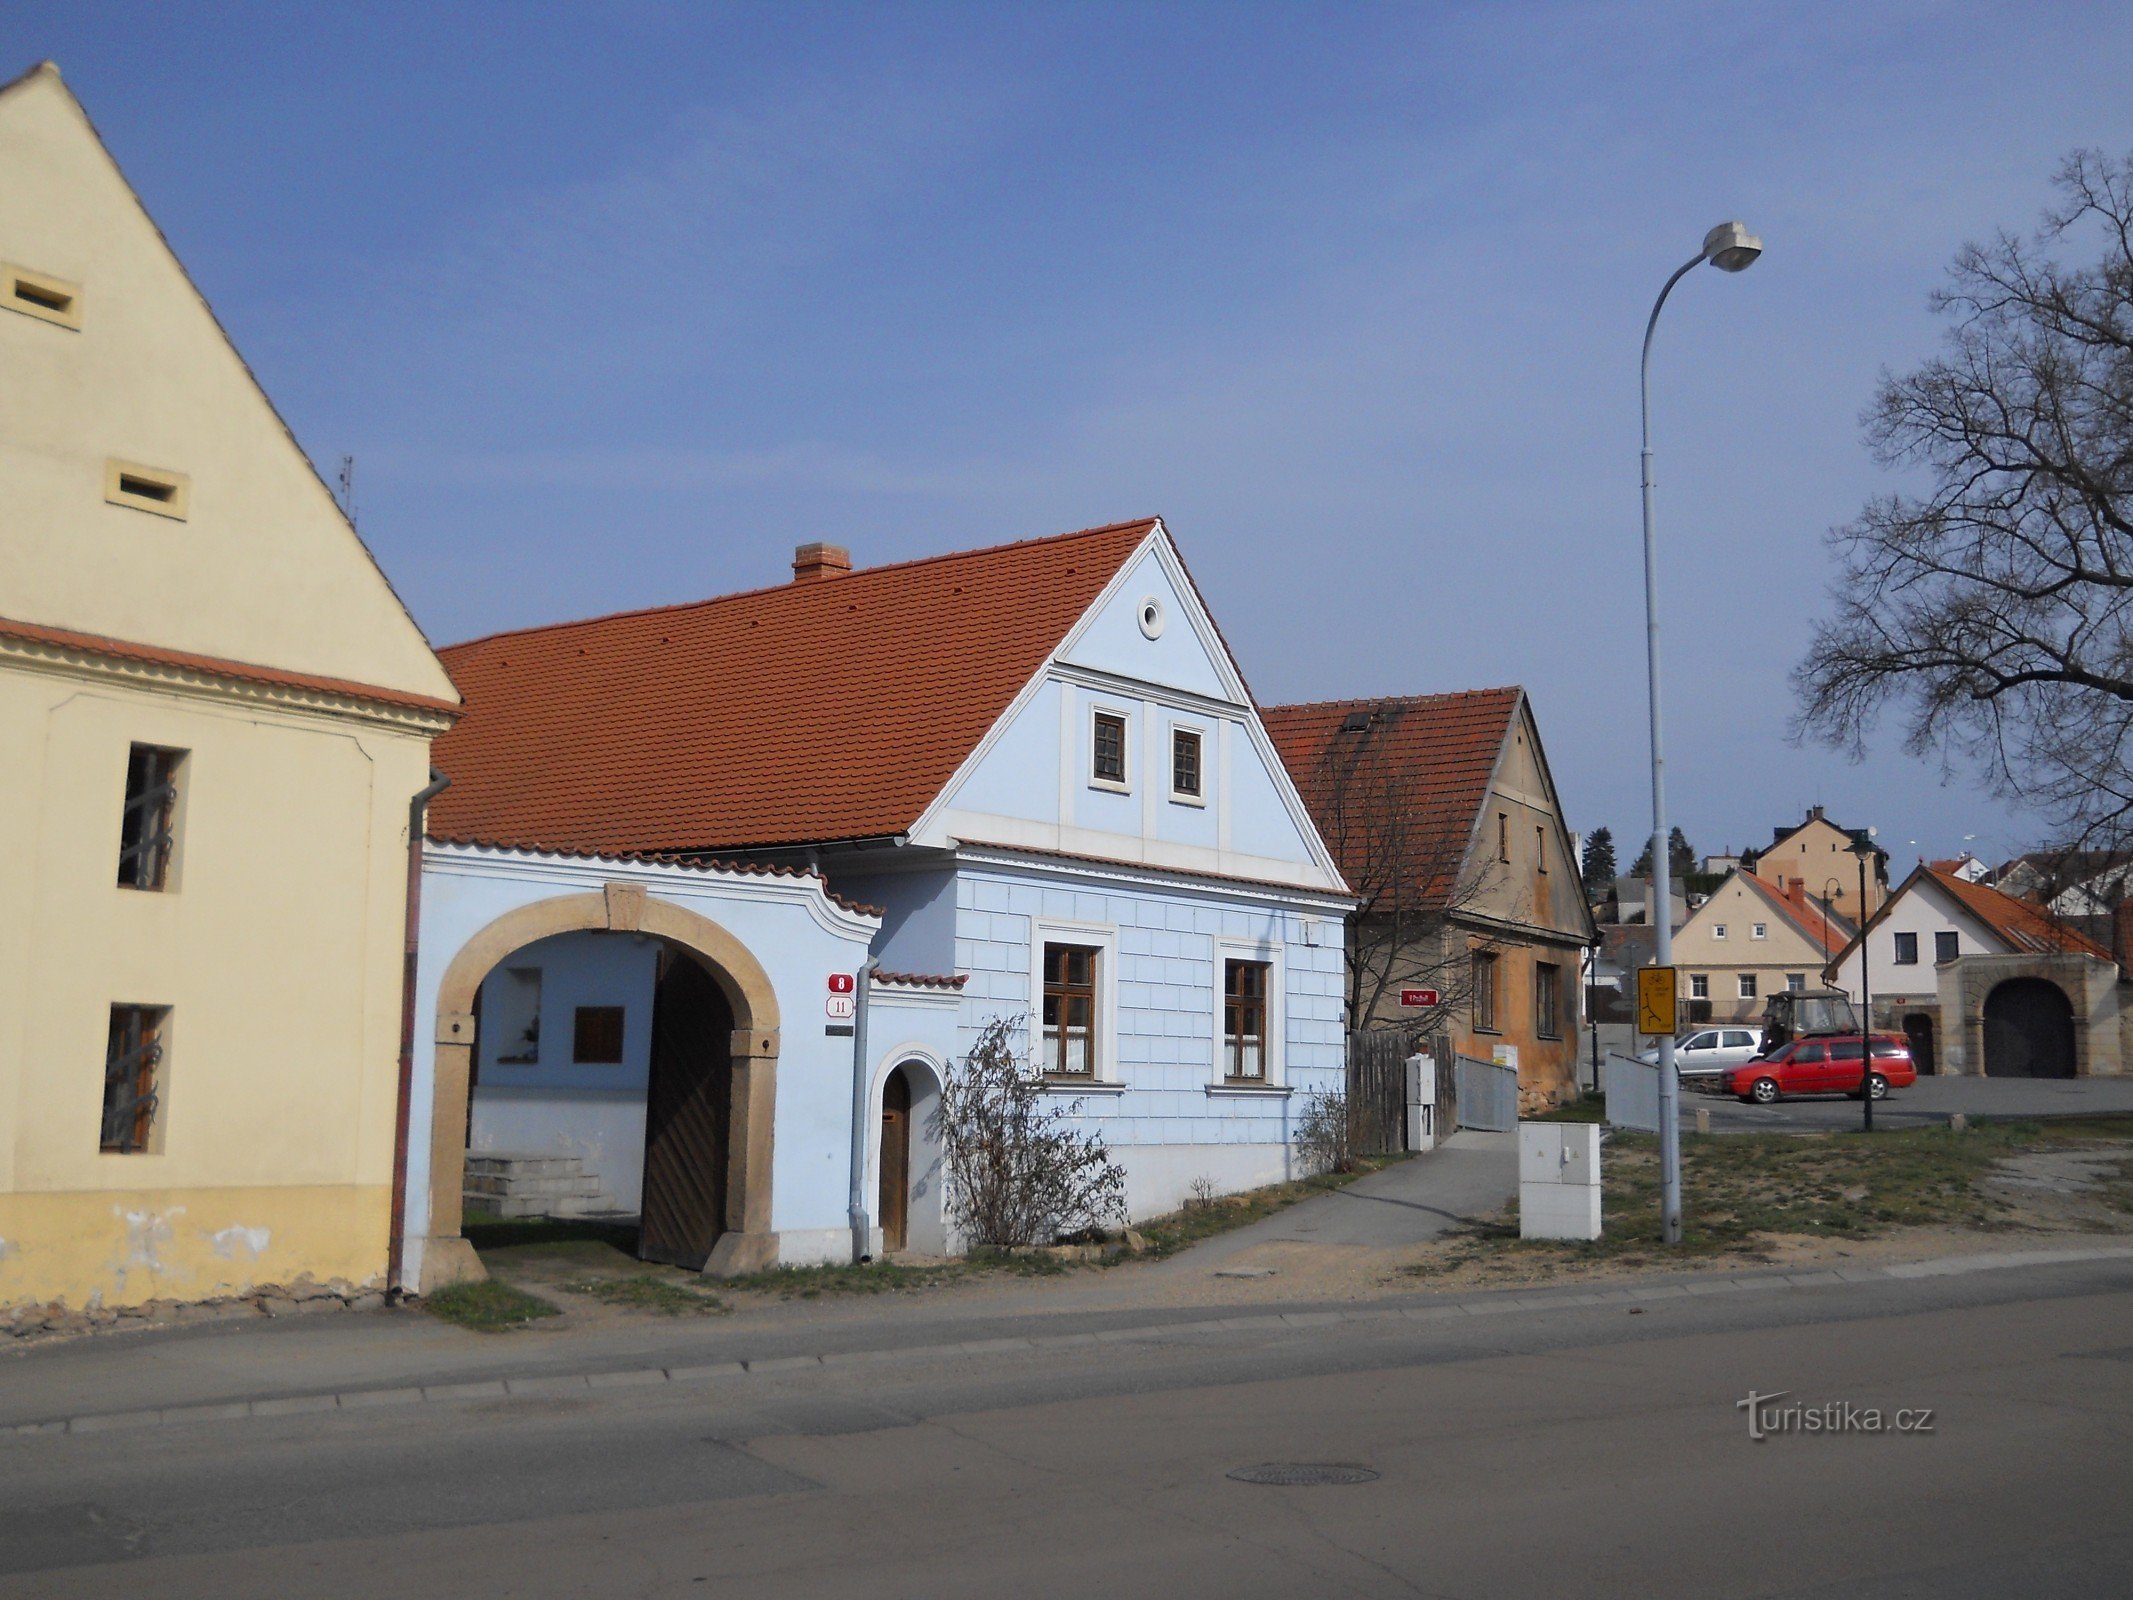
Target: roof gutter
396,1244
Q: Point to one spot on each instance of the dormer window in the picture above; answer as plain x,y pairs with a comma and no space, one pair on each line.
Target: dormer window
1107,750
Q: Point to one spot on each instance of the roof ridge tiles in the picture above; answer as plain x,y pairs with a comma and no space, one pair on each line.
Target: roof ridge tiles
1396,699
789,586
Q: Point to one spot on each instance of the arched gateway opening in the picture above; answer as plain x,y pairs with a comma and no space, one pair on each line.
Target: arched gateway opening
710,1101
2029,1030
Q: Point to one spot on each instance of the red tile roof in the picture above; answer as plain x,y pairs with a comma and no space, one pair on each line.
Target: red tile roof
97,644
1404,787
1810,915
835,708
2021,923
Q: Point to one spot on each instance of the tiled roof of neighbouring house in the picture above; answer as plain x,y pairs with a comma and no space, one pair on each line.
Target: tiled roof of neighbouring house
833,708
1396,783
2023,924
1812,916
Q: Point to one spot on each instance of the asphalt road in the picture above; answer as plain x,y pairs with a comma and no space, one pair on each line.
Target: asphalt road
1592,1449
1928,1102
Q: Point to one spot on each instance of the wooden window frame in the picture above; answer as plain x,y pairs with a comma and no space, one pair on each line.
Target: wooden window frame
1547,1008
1098,717
148,818
1487,974
1899,941
1181,736
1052,1050
590,1028
1240,1007
134,1051
1950,940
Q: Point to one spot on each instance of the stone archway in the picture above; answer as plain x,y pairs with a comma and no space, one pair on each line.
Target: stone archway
2029,1030
749,1243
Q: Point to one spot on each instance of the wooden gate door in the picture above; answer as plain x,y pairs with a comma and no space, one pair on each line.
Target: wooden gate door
895,1160
2029,1031
688,1104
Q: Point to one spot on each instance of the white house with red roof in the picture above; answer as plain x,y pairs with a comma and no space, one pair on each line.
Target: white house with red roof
1981,981
1031,779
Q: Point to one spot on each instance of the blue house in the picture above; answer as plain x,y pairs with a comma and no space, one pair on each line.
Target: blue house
1026,782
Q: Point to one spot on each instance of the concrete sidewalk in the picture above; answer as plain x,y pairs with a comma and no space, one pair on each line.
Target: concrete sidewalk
1468,1177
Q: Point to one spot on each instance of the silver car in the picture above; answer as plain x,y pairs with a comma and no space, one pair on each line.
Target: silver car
1708,1052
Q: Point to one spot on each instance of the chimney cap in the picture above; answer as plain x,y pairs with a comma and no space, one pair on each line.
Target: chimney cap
819,560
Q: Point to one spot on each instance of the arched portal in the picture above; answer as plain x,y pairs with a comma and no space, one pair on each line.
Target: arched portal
2029,1030
908,1165
747,1243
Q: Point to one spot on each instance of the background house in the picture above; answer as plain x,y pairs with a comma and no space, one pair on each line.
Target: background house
215,715
1982,981
1817,855
1446,823
1749,940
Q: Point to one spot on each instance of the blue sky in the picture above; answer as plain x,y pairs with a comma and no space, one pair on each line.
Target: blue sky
615,304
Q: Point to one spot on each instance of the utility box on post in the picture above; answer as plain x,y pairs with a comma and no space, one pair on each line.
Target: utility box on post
1558,1180
1421,1102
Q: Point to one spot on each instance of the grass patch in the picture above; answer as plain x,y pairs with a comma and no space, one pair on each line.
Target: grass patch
488,1306
1741,1191
1203,1219
646,1291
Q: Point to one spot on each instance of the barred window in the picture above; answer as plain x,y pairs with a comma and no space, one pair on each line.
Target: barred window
133,1058
1547,1000
145,825
1485,991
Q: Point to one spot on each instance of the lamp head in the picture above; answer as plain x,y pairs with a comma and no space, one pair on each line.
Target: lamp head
1863,843
1730,247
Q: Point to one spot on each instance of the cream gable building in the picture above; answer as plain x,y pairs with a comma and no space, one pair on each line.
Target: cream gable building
1748,941
216,715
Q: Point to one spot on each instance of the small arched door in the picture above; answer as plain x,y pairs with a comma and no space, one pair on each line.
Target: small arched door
895,1209
2029,1031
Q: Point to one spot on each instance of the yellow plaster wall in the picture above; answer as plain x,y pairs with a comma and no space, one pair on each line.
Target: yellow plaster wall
115,1247
277,948
263,568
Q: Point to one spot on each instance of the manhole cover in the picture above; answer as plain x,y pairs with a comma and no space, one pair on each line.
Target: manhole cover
1303,1474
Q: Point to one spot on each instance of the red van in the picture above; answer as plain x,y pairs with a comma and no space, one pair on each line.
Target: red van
1824,1065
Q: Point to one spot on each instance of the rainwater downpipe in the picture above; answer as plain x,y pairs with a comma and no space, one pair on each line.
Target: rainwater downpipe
417,812
862,1235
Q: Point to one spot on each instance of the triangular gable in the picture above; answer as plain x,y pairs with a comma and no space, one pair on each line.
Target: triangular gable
240,554
1148,632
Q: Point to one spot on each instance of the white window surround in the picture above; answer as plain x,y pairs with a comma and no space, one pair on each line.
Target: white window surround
1759,930
1125,714
1277,1066
1201,733
1103,938
1718,930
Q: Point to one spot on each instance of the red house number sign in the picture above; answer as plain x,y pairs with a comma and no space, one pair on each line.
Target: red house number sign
1418,997
840,983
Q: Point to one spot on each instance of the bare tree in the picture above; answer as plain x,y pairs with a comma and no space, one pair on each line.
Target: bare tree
1406,863
1996,604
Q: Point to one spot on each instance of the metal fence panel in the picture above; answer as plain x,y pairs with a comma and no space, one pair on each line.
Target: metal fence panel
1488,1096
1632,1093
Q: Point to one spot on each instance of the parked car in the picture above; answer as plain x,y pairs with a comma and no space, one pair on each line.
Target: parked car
1708,1052
1824,1065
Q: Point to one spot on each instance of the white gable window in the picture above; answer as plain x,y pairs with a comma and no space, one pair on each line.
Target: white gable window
1718,930
1110,743
1760,930
1188,766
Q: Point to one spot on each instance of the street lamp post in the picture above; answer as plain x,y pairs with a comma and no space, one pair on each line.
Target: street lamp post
1730,247
1862,846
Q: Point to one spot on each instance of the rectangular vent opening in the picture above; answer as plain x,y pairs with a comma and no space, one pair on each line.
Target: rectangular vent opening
40,295
156,489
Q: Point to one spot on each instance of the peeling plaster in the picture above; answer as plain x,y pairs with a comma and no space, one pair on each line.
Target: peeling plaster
252,1241
147,1232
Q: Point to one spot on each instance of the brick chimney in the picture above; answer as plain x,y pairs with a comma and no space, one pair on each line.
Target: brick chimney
818,560
2122,937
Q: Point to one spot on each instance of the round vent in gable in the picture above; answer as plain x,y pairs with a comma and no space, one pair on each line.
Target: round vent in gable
1151,617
